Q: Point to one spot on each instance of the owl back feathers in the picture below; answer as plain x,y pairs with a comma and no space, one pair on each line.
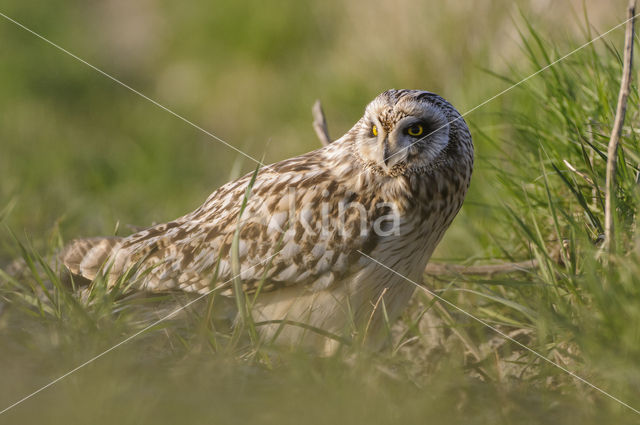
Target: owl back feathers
85,257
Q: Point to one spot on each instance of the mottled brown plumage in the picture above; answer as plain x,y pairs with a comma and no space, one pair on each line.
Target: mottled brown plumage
381,191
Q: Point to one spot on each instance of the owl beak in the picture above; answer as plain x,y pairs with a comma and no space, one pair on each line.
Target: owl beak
392,153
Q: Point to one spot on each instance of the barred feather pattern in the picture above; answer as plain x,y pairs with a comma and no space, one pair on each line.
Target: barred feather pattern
308,218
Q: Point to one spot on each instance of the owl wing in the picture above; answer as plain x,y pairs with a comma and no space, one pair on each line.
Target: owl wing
301,225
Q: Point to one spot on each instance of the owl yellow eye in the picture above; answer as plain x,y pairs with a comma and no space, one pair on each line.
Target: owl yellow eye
374,130
415,130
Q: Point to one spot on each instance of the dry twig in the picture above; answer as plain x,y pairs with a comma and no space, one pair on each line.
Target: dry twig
320,123
578,172
436,269
616,132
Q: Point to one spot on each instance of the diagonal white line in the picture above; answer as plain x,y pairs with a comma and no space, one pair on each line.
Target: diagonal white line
111,77
525,79
129,338
498,331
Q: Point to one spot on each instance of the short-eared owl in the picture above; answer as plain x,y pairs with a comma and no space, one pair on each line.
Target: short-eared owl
388,188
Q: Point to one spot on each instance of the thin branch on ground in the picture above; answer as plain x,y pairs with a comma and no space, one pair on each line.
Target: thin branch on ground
616,132
436,269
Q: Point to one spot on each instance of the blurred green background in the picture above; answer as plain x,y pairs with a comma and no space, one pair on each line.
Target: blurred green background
82,156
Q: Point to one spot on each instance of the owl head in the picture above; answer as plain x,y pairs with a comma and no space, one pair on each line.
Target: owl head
410,131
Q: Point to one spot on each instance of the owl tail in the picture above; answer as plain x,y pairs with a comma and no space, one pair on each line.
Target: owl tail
86,257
